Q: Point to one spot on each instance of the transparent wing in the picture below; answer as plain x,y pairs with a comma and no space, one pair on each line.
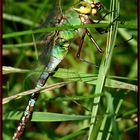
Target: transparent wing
45,41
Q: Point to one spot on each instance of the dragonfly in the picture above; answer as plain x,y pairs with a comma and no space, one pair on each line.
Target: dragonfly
56,45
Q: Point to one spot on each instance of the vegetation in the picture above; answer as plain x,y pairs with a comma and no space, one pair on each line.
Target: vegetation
79,101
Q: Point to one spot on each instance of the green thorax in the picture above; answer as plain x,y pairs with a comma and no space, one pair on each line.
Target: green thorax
71,18
64,37
76,16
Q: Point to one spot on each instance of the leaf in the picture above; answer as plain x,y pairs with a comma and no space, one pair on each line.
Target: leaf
45,117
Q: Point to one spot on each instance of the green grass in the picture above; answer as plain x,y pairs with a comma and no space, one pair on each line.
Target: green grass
79,101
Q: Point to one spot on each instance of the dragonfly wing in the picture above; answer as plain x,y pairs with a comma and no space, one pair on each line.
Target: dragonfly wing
45,54
45,42
55,13
43,61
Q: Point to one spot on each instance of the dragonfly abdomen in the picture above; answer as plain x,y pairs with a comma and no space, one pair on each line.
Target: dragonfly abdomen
53,63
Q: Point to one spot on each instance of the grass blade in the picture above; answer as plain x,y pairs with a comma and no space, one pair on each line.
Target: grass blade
104,67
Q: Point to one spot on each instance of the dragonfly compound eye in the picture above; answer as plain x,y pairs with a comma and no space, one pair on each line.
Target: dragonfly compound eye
83,8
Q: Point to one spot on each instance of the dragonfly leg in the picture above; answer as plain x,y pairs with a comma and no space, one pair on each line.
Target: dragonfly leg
104,17
80,48
123,42
107,28
102,30
93,40
80,45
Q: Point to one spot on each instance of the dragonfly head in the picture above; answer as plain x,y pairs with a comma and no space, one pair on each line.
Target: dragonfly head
87,8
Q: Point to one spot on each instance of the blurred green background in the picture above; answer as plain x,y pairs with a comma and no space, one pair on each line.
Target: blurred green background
19,52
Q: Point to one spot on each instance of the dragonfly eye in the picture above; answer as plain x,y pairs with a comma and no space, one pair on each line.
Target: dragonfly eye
83,8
